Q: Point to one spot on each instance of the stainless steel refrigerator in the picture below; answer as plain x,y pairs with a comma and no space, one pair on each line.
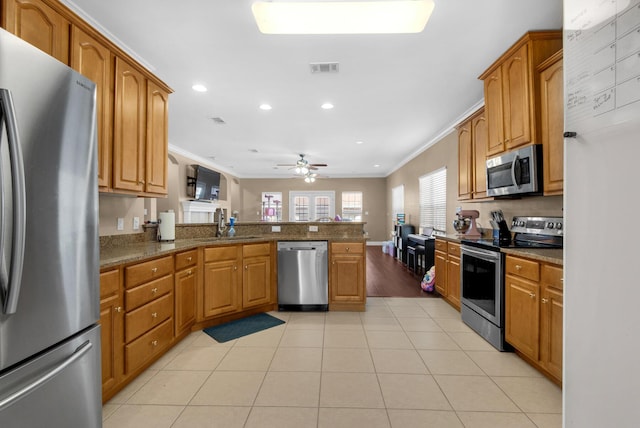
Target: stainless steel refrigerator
49,252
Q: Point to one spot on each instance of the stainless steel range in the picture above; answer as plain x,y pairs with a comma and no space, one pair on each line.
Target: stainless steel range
482,273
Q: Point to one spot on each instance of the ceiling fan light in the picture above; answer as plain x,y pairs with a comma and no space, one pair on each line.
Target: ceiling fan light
298,170
307,179
304,170
350,17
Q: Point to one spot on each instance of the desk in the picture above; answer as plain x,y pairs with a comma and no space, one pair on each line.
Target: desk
423,259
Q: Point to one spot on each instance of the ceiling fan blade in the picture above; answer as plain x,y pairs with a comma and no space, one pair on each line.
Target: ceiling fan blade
318,164
285,164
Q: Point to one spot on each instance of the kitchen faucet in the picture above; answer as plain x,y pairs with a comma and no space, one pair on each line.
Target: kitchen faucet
221,226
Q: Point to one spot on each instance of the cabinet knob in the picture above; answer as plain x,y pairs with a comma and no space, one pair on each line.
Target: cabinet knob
154,290
189,272
532,295
118,309
518,267
347,249
154,343
189,258
154,315
235,268
544,300
154,270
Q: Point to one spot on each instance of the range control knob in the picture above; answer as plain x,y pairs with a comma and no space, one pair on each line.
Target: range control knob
550,225
521,223
558,225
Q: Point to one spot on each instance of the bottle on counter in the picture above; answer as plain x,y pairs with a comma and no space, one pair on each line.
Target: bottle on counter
232,230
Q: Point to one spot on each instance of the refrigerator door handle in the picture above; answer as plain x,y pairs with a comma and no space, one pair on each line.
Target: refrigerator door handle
78,353
11,290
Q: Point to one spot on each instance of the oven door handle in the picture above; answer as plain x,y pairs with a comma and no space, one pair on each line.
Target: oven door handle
484,255
514,174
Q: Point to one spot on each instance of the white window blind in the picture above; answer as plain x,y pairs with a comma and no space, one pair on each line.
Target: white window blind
397,200
352,206
312,205
433,200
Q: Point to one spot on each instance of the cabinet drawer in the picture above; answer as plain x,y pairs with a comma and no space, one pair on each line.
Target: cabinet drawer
143,272
218,254
148,316
523,268
148,345
145,293
552,276
254,250
453,249
441,245
347,248
186,259
109,282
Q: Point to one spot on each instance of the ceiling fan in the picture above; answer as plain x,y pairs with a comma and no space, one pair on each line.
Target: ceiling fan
302,166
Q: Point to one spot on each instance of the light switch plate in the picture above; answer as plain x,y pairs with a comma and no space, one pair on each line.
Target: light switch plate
275,228
120,225
313,228
136,223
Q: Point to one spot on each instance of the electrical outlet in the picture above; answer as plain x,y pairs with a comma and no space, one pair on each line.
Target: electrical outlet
146,212
136,223
120,225
275,228
313,228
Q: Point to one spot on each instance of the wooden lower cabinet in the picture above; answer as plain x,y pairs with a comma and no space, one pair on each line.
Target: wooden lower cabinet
221,292
111,329
185,289
347,282
534,310
447,262
256,275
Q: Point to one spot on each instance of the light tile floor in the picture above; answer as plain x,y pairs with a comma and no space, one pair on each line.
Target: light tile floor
405,362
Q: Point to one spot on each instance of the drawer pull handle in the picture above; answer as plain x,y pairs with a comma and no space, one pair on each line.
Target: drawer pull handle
532,295
154,270
154,343
545,300
154,315
154,290
189,258
518,267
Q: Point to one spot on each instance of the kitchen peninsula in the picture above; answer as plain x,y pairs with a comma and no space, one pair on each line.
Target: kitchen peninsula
153,294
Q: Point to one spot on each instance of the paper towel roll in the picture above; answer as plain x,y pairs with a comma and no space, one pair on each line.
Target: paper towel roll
167,226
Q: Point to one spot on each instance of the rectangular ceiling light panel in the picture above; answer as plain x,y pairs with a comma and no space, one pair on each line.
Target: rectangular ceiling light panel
351,17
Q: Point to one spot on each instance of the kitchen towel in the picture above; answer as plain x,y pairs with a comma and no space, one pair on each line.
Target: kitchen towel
242,327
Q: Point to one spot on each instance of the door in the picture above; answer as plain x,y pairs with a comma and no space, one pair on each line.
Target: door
256,283
59,281
185,310
523,315
157,153
60,388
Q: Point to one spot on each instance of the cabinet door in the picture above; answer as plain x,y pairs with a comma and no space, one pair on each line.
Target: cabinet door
256,281
93,60
185,299
517,108
552,106
551,330
522,315
39,25
453,280
465,162
221,288
111,330
129,128
480,140
157,140
494,111
441,272
347,279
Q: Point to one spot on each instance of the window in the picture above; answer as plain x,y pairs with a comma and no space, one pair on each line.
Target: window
433,200
352,206
397,200
271,206
311,206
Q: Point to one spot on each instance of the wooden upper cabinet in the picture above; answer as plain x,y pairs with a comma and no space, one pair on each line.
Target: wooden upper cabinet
512,91
480,140
157,153
465,161
552,102
94,60
39,25
129,128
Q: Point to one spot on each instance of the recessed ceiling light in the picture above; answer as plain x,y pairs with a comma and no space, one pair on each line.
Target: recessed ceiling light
199,88
265,107
376,166
359,142
345,17
327,106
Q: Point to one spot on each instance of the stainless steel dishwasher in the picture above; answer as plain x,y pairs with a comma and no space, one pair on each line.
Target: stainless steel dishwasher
303,276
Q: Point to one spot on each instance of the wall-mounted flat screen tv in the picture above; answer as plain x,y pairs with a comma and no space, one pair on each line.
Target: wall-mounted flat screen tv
204,185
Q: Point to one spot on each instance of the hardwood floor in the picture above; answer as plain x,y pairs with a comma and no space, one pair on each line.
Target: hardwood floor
388,277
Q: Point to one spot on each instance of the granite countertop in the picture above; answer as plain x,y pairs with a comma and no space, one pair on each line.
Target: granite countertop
117,255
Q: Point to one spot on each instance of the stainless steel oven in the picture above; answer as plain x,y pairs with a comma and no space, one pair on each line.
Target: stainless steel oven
515,172
482,292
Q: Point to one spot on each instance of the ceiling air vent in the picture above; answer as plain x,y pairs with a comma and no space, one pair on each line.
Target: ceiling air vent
218,120
324,67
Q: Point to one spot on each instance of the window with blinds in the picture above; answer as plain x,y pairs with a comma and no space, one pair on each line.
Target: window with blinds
352,206
433,200
311,206
397,200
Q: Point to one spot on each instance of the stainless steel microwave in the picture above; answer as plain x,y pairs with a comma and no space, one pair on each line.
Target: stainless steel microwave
516,172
